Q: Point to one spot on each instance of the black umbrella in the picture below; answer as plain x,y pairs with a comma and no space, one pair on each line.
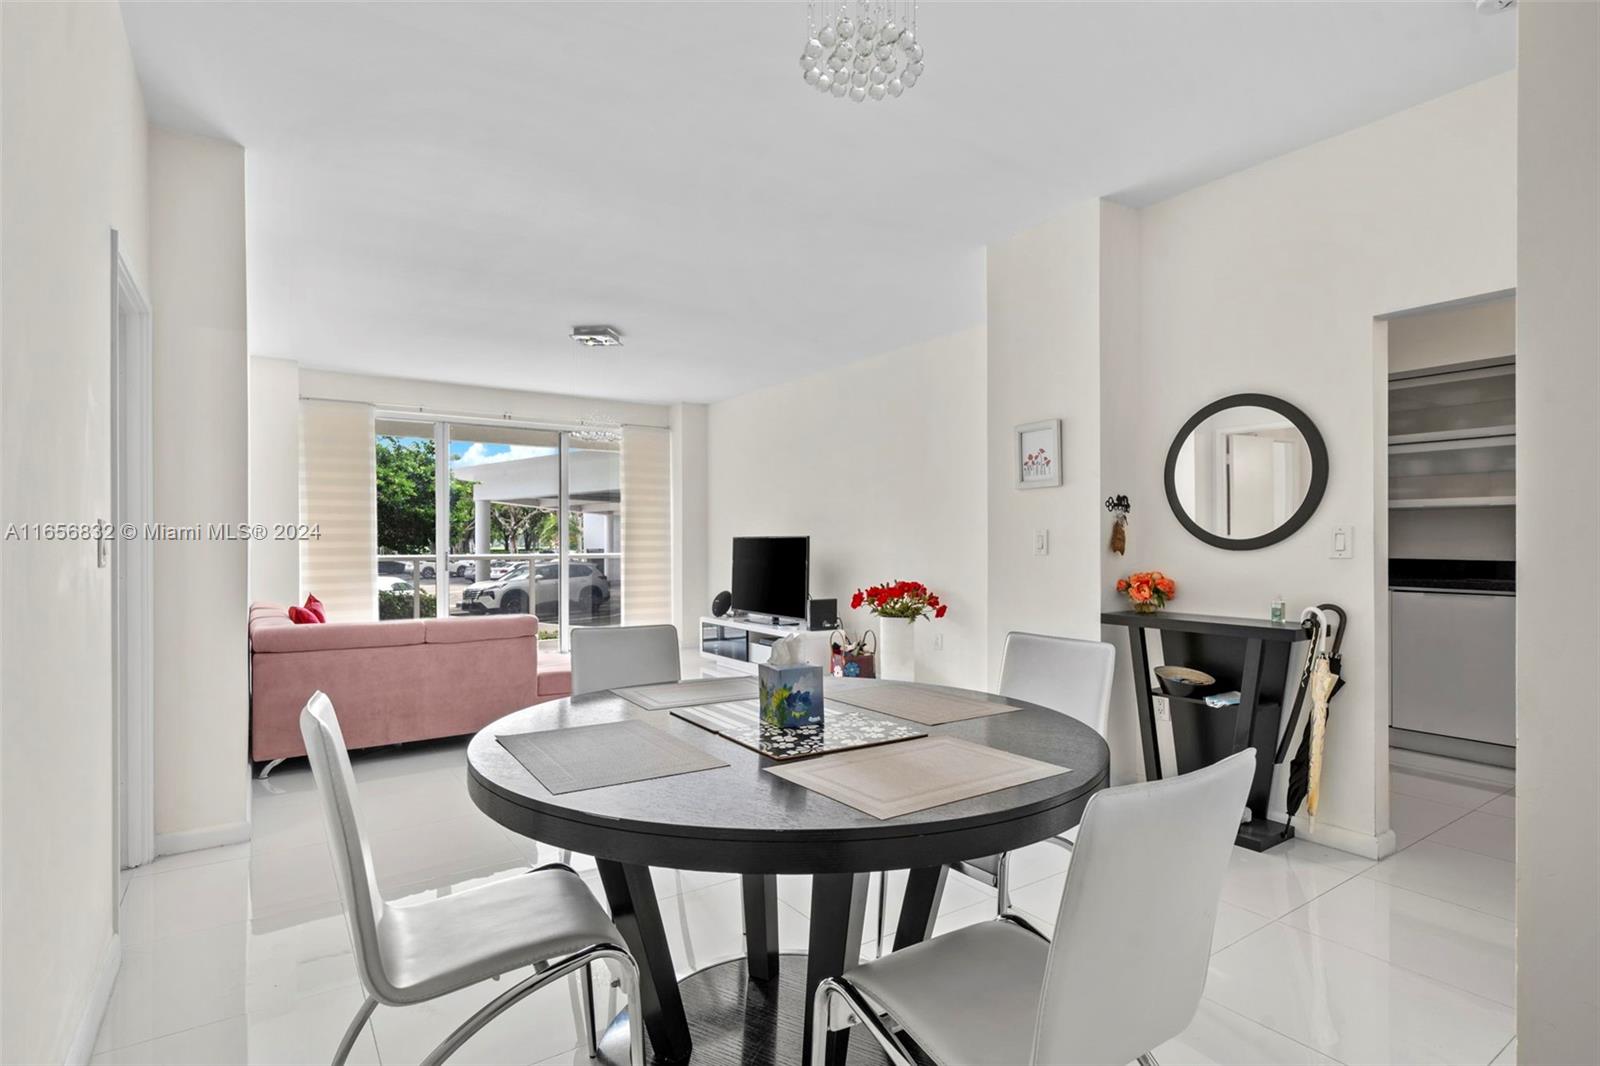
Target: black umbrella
1299,784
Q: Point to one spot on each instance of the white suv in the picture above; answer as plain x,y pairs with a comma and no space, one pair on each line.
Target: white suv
587,588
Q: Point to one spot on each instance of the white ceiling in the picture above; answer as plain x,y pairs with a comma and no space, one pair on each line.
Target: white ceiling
440,191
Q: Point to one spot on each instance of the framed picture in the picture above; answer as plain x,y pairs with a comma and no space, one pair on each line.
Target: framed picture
1038,455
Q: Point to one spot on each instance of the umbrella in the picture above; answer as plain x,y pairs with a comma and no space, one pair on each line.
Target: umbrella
1322,679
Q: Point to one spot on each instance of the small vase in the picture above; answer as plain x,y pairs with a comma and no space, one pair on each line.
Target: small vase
897,649
1147,607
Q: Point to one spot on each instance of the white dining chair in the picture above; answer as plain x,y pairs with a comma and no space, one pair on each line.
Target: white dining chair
412,952
1065,675
618,656
1124,971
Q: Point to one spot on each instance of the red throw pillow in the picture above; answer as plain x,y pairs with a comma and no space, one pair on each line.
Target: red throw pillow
314,605
302,617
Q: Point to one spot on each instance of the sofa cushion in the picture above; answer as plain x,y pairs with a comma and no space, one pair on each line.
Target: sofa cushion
266,638
555,675
493,627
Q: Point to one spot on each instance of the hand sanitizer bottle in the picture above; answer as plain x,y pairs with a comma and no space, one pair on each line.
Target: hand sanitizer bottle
1277,609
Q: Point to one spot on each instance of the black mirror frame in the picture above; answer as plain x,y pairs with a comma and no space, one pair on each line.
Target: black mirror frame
1308,506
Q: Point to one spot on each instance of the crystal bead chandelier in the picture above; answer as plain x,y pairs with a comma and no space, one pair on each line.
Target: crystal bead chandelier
862,49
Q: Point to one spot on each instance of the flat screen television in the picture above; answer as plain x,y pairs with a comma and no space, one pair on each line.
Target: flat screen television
771,575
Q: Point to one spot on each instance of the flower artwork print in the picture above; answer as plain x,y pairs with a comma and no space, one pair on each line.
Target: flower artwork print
1039,454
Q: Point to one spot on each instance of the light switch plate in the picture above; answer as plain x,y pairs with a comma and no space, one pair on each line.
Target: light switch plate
1041,542
1343,546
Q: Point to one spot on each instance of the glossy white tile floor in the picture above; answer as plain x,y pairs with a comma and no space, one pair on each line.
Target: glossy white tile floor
239,955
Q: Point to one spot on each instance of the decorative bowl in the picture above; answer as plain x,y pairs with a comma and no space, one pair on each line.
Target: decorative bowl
1182,680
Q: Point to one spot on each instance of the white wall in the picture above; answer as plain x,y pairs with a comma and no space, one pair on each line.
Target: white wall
201,420
689,518
1268,281
441,398
274,476
1044,362
72,168
1558,533
881,463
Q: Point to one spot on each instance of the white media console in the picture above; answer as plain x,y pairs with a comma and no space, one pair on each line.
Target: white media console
741,644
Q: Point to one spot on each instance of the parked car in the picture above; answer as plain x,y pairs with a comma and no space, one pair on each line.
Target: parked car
388,583
392,566
587,587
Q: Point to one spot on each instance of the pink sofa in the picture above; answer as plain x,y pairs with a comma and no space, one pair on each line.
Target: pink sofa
394,681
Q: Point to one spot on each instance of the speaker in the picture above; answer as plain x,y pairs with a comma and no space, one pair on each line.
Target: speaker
720,603
822,614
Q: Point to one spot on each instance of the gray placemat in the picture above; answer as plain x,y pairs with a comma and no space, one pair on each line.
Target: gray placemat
914,703
594,756
689,693
887,782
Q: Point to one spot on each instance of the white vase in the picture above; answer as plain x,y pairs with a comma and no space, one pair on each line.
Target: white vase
897,649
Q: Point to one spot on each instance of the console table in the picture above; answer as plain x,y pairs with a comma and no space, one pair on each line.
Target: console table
1248,654
741,644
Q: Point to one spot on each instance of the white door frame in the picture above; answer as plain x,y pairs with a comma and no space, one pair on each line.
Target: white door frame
132,565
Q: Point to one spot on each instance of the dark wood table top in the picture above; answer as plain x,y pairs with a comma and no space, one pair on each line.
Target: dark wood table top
740,819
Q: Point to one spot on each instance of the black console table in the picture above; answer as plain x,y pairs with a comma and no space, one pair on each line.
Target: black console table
1248,654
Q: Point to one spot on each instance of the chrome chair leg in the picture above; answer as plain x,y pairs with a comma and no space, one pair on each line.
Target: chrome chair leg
589,1029
571,964
883,907
357,1023
864,1015
1002,882
1147,1059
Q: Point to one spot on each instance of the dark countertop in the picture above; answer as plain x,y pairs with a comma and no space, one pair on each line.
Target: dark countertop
1454,575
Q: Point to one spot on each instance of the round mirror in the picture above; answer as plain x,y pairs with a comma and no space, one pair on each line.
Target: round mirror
1246,471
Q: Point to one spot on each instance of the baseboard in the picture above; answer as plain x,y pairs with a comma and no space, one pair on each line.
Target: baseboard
1366,845
94,1011
1405,759
215,836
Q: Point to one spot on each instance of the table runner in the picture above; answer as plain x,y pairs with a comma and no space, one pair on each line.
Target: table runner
694,693
612,753
887,782
914,703
842,728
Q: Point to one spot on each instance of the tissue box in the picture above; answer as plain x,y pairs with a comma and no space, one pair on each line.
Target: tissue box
791,696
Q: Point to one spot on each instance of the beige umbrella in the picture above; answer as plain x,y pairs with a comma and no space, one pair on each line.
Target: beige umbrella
1322,681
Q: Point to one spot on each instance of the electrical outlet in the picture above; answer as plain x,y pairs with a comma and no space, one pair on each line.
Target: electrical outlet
938,642
1344,546
1041,542
1163,709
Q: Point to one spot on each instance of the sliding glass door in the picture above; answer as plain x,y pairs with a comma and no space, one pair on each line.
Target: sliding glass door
493,519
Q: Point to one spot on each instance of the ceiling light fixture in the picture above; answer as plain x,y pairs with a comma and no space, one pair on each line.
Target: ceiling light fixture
596,336
863,49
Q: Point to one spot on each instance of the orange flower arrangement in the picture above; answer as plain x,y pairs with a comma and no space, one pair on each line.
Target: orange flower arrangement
1148,590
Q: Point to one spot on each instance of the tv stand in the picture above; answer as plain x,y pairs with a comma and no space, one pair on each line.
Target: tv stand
741,643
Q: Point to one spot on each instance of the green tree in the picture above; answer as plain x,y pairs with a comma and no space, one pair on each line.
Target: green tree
405,481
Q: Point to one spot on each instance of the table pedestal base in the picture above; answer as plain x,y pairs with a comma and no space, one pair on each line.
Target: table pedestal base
739,1022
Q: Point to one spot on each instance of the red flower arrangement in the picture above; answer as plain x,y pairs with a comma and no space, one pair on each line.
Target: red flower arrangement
899,599
1148,590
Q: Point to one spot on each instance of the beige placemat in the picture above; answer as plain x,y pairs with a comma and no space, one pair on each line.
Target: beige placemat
694,693
914,703
898,779
611,753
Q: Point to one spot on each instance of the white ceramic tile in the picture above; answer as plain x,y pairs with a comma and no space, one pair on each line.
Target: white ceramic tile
306,1033
1220,1037
1442,788
1505,806
179,899
1042,898
1412,818
1487,834
176,983
183,860
1450,943
677,882
291,880
1234,924
1508,1057
1472,880
1037,862
303,959
440,849
1353,1006
707,926
290,820
1273,883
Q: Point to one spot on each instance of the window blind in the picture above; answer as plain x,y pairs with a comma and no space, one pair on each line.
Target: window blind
646,525
338,495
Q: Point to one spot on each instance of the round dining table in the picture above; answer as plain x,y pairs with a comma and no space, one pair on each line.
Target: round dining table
741,820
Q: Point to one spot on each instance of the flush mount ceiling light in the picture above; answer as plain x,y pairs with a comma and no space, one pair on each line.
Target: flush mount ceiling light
596,336
862,49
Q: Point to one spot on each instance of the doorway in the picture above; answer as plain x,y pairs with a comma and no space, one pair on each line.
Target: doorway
128,552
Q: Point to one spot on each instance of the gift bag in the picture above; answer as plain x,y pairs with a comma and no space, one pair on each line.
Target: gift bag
852,658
